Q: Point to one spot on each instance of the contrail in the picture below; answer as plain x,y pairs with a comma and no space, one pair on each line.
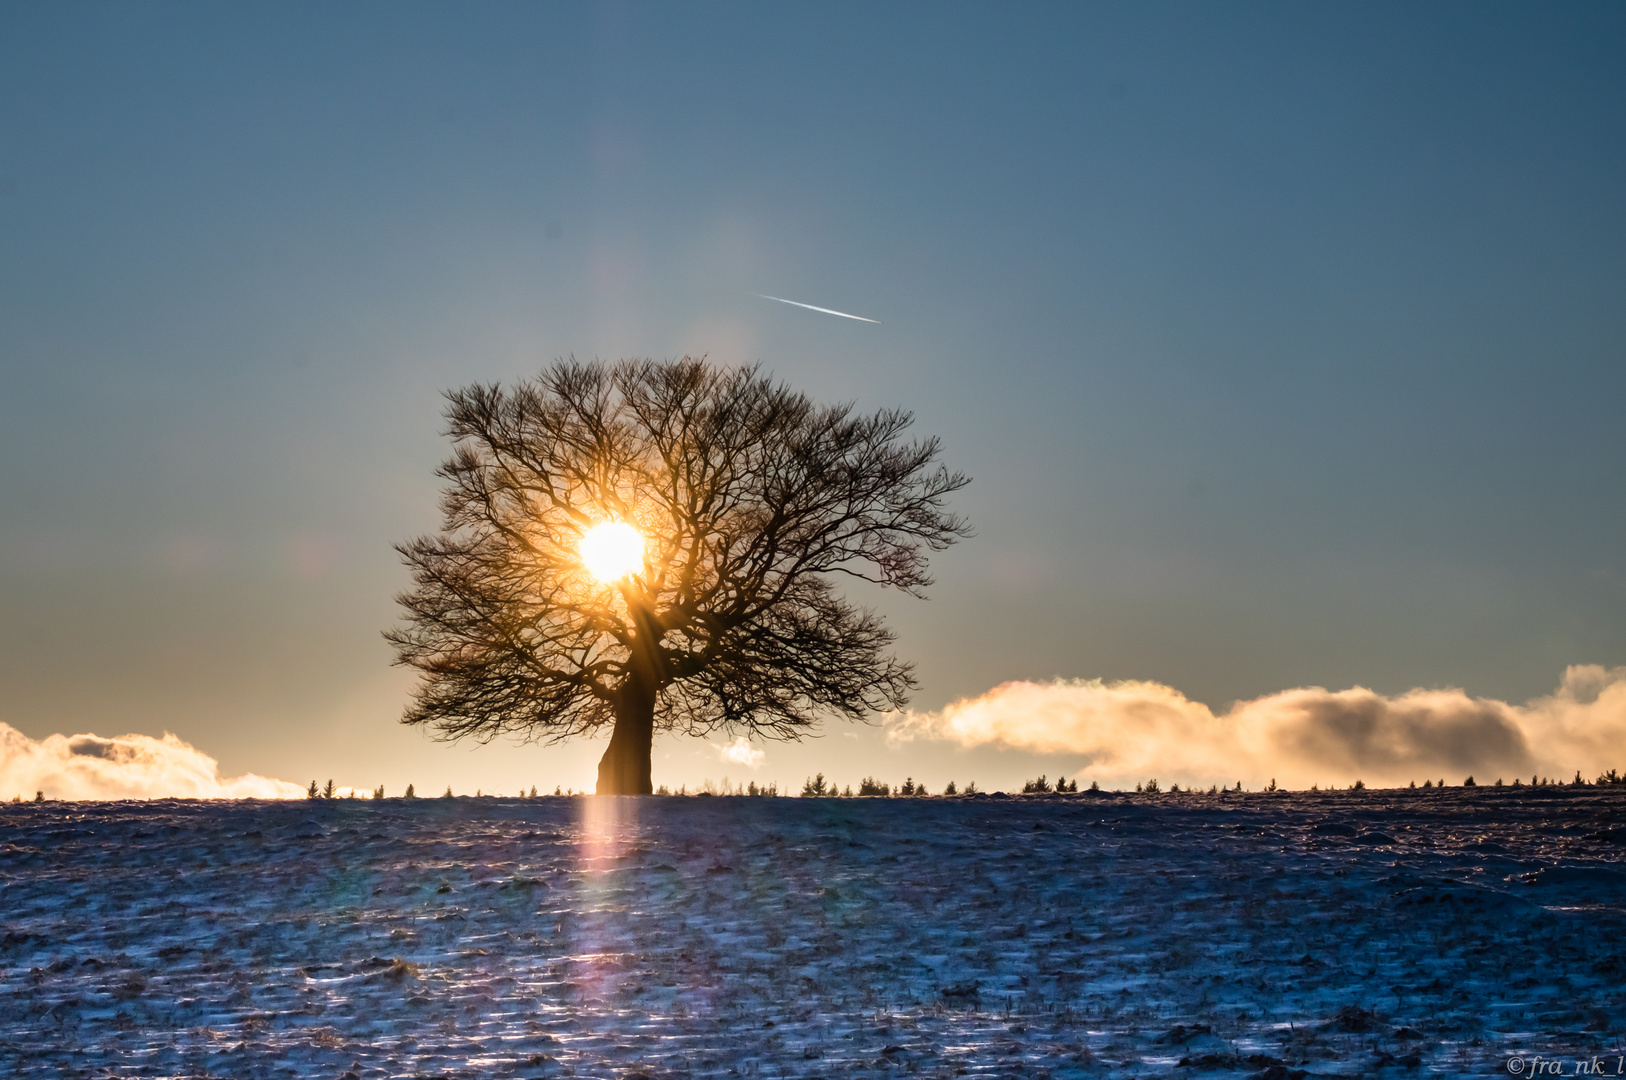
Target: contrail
810,307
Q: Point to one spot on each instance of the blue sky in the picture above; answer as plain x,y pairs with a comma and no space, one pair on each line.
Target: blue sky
1284,342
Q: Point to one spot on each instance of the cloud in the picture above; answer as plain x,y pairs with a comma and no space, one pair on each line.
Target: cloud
124,767
1128,731
740,752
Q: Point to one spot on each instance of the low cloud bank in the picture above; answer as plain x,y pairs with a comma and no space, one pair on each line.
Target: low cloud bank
124,767
1130,731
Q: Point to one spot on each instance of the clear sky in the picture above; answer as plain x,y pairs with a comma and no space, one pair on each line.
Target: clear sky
1284,343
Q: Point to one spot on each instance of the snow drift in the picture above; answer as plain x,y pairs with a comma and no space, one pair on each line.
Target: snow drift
123,767
1129,731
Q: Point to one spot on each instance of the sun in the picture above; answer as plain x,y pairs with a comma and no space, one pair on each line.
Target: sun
612,550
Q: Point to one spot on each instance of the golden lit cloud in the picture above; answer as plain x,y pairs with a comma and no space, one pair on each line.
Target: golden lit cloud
740,752
1129,731
122,767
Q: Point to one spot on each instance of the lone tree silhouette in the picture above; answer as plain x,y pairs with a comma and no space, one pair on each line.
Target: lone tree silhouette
748,500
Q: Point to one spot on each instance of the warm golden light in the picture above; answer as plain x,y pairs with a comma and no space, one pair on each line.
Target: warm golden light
612,550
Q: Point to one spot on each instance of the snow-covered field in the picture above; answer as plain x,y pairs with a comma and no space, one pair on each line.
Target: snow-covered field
1341,933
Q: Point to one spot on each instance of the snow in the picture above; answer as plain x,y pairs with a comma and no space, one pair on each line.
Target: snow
1334,933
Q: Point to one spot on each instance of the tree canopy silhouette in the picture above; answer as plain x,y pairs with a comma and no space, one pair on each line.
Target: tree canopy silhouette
750,501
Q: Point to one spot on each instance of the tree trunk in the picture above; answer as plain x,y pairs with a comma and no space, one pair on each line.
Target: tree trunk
625,768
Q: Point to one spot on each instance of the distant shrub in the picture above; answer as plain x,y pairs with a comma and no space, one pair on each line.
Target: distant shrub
815,787
1498,781
871,786
1428,783
662,790
411,793
533,791
1577,782
39,796
378,792
771,790
1039,786
329,791
1609,779
1151,786
950,790
908,788
1360,785
1470,782
846,792
1094,786
971,787
312,792
1272,786
448,794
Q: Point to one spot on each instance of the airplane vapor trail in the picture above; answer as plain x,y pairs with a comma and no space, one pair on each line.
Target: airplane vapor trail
810,307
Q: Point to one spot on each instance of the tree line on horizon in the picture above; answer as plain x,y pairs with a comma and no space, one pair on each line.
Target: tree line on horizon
818,787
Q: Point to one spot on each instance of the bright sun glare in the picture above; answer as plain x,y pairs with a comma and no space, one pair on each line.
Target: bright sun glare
612,550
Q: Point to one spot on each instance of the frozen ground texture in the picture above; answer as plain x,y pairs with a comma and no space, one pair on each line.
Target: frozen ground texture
1392,933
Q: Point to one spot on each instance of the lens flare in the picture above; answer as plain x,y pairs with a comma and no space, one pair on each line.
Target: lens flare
612,550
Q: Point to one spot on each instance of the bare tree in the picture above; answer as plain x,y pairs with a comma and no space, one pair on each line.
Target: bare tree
735,504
